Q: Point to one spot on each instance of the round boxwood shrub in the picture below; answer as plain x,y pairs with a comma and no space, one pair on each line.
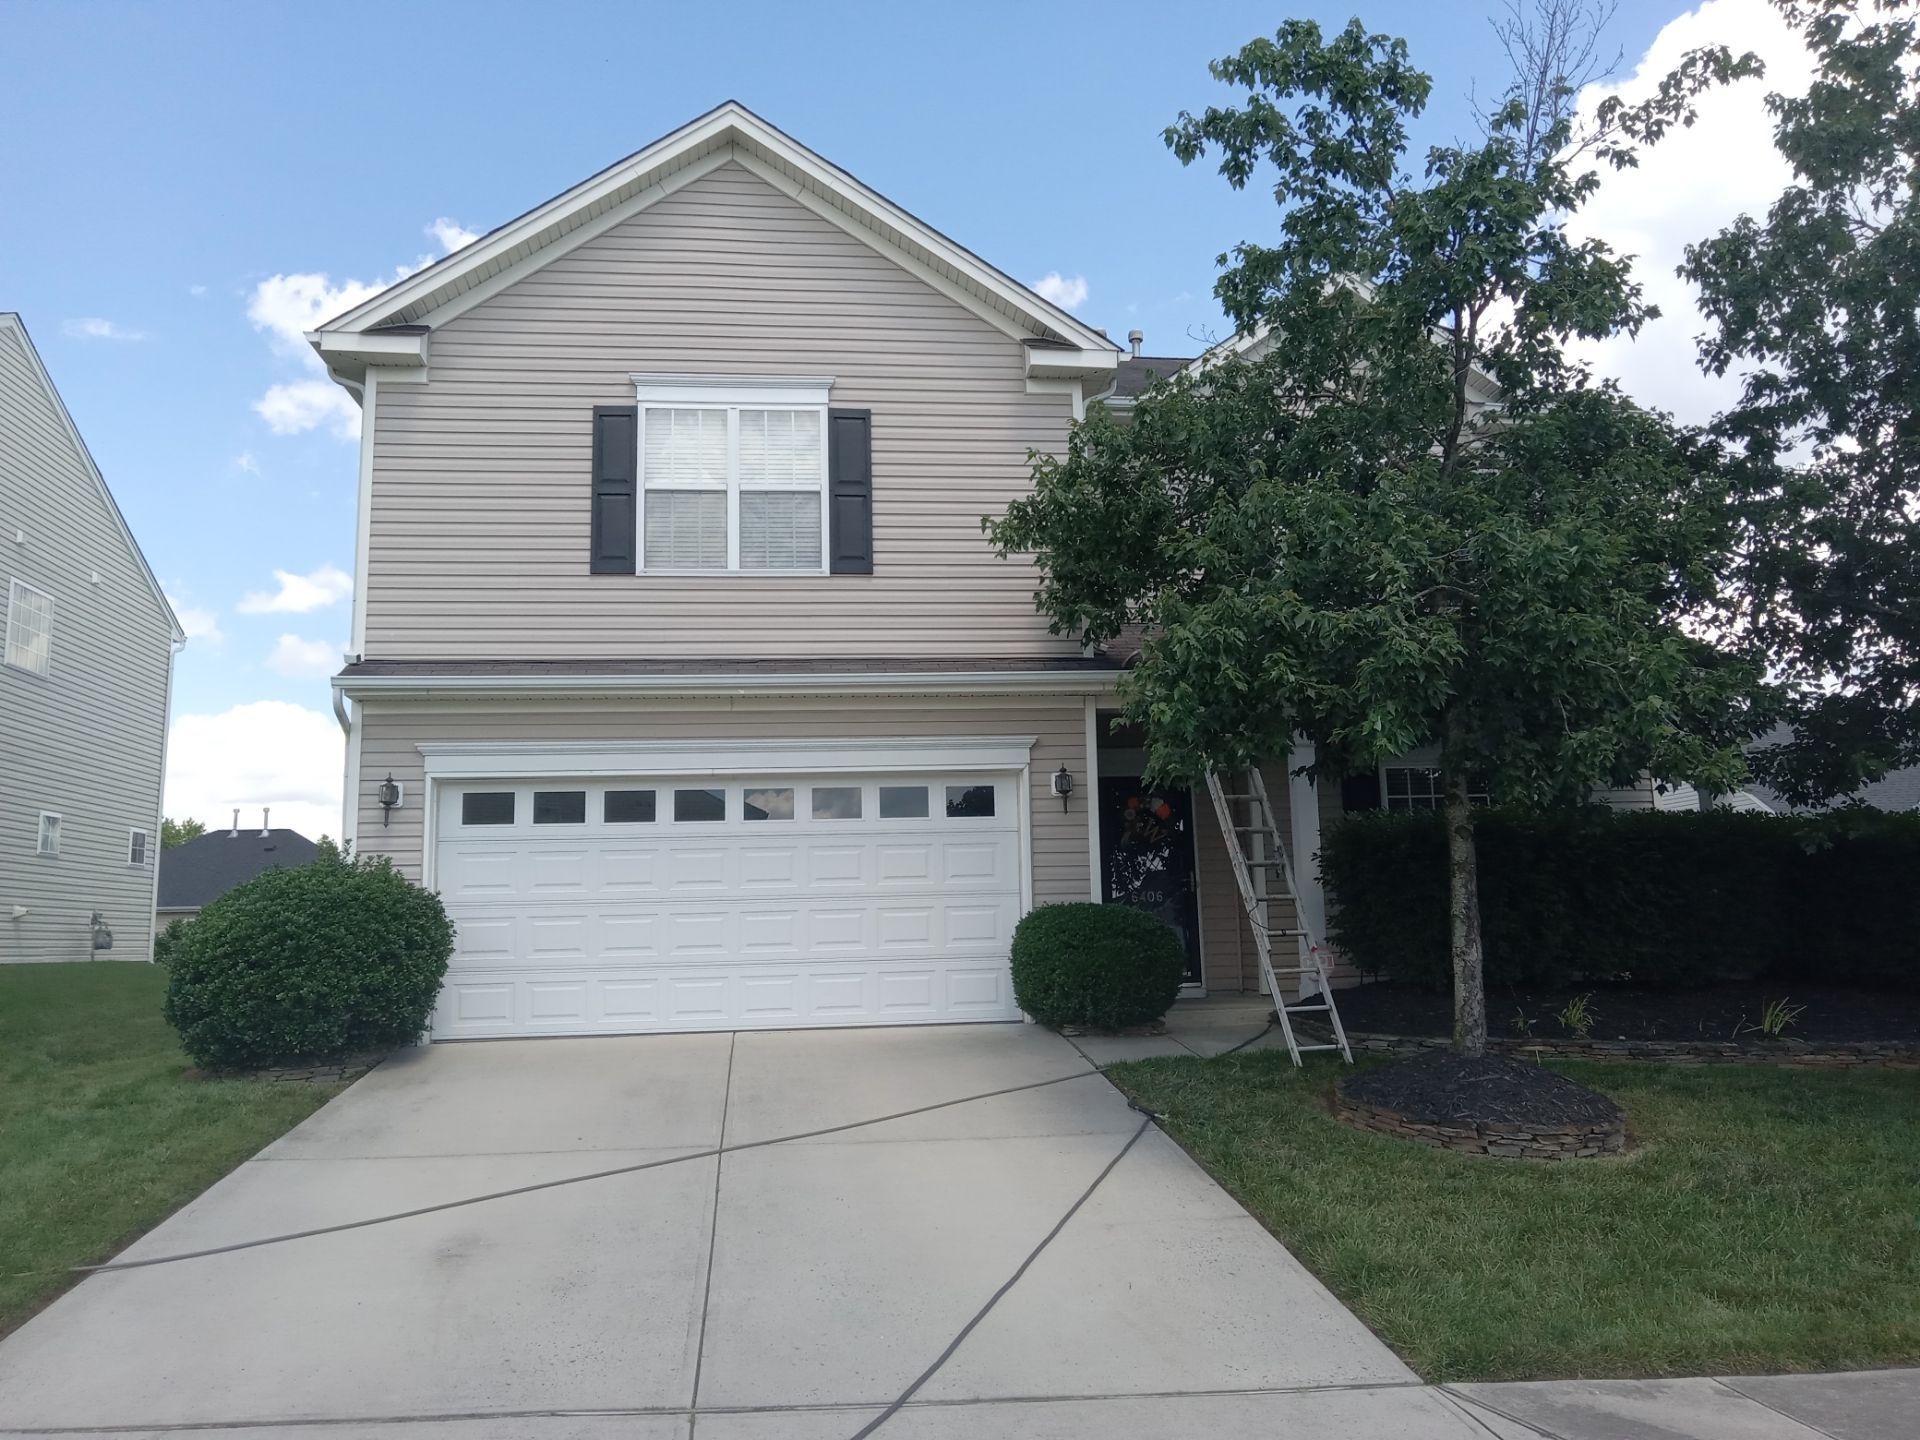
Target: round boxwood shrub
337,957
1099,967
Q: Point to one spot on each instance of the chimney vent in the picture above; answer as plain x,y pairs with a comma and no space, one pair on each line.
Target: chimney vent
1135,340
265,829
235,835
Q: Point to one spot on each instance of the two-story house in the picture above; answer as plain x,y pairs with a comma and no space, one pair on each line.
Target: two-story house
85,682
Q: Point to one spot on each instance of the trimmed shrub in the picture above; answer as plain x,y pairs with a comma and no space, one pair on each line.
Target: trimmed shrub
1099,967
337,957
165,941
1656,899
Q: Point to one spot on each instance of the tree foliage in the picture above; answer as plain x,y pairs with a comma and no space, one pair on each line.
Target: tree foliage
1817,307
178,832
1400,513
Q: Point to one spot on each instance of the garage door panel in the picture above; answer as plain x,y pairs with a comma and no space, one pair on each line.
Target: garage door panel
667,924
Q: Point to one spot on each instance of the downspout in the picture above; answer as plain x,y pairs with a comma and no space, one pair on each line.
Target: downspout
349,772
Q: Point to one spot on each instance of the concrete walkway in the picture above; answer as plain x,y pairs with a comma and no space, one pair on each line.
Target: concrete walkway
786,1292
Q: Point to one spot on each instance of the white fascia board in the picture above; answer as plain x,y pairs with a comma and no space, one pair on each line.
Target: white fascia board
1047,364
587,758
482,687
352,357
737,133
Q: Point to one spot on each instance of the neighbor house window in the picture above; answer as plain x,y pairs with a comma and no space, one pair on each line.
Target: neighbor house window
49,841
1419,787
734,477
29,628
136,847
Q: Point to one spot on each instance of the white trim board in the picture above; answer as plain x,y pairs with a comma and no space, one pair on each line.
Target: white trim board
452,760
730,132
720,687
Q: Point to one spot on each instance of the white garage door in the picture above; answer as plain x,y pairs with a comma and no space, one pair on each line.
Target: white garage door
602,906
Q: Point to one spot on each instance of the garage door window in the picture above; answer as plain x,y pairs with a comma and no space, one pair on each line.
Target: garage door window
903,802
768,802
628,807
969,802
559,807
486,807
836,802
699,805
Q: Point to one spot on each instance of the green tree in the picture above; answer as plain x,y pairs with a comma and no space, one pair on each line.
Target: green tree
1412,518
1818,308
178,832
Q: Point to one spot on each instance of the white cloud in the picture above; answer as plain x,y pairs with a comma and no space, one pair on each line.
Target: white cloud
300,405
267,753
1066,291
300,594
451,234
1685,189
94,328
198,292
302,659
246,461
199,622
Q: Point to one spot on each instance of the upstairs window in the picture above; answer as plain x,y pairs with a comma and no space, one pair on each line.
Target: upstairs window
48,842
730,480
29,628
136,847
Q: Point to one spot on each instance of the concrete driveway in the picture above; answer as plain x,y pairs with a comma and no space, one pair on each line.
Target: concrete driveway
785,1291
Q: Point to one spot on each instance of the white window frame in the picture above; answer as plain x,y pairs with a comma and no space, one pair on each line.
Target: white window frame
16,588
135,832
40,835
730,394
1477,794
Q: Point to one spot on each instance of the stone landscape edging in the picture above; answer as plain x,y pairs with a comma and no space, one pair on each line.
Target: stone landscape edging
1837,1055
1495,1139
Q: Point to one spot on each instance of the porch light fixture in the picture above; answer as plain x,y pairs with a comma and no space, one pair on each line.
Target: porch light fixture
389,797
1063,785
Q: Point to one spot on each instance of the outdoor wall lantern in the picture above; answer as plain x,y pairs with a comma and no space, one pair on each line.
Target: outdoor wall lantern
1063,785
389,797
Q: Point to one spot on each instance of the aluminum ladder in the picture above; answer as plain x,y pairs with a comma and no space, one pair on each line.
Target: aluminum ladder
1263,870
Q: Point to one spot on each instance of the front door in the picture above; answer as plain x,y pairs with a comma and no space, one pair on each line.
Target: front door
1146,856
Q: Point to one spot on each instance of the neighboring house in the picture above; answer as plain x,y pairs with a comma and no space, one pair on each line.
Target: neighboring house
1896,790
85,681
198,872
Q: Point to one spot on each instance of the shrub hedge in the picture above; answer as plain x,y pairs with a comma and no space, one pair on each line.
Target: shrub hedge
1672,899
1100,967
336,957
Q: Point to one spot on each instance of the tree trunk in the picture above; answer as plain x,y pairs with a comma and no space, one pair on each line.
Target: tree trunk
1463,892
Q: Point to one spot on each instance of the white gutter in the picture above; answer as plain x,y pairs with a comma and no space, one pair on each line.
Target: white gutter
977,682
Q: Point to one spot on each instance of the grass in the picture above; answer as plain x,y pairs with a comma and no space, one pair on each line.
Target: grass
1766,1220
102,1131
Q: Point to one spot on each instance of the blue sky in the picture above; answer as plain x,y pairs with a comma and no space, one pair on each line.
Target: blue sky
182,156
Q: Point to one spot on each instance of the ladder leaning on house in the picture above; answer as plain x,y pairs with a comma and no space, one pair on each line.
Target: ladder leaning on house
1263,869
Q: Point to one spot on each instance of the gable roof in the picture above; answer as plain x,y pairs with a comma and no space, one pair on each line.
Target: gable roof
11,323
373,333
208,866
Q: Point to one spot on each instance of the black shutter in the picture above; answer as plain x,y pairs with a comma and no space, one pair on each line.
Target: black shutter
1359,793
850,491
616,430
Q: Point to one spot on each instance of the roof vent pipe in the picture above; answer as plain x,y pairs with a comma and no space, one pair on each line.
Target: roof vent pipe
265,830
1135,340
235,833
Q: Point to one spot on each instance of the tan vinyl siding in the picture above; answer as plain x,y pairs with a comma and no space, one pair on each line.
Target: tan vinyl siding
479,516
394,731
84,740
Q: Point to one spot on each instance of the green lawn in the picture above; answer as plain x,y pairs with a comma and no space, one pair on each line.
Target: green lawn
102,1133
1766,1220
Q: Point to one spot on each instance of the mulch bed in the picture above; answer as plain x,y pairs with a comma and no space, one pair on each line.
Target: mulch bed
1831,1014
1474,1091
